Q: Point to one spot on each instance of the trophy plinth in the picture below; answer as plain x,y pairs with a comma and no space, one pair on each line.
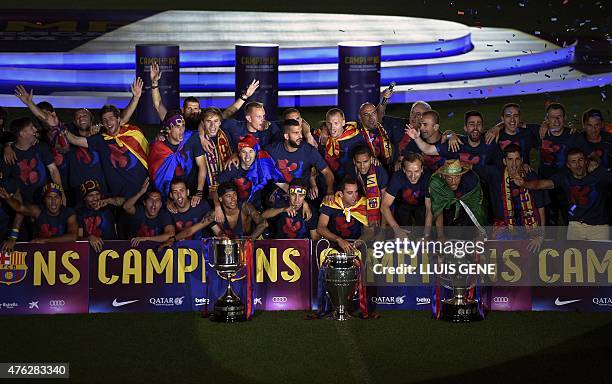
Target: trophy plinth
229,259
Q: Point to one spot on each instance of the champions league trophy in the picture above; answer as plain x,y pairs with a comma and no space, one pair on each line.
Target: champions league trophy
460,308
341,274
228,259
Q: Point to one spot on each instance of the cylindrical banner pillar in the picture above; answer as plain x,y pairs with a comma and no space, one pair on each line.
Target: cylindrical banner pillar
258,62
167,56
358,76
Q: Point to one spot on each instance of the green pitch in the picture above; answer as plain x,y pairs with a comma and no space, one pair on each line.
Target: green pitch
282,347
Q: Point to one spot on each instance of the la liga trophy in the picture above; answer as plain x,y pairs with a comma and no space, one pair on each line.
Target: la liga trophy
229,256
460,308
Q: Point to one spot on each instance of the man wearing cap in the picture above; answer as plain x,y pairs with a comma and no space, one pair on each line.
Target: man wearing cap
148,221
186,215
96,219
290,219
456,197
345,216
53,223
179,155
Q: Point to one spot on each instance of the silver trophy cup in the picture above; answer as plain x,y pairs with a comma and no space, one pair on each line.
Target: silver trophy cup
228,259
460,308
341,273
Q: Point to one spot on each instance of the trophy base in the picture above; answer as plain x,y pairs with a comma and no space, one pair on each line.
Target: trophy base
460,313
339,316
229,309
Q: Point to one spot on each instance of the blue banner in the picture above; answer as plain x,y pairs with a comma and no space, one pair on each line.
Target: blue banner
167,56
358,76
258,62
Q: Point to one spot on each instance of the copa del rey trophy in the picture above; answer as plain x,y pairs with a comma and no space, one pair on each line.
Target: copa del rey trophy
229,256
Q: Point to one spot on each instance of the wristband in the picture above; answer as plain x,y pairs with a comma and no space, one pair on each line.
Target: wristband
14,233
154,86
244,97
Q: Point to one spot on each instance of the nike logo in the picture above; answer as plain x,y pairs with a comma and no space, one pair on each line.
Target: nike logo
559,302
122,303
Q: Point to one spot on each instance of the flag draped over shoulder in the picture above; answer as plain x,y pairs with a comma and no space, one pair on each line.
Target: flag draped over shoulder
131,137
163,163
357,211
442,197
262,171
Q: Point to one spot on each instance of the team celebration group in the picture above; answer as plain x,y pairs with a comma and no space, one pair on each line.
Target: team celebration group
209,174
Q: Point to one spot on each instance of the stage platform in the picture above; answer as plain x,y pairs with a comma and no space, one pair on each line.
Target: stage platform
428,59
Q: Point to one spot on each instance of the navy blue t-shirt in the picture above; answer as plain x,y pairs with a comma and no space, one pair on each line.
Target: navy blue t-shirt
587,196
603,149
123,172
295,227
236,130
142,226
481,154
237,175
100,223
31,171
84,164
553,153
407,193
190,217
339,226
296,165
494,178
526,138
47,226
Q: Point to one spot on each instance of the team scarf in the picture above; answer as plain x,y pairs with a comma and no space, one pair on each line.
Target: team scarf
332,146
163,162
372,194
216,160
386,152
262,171
442,197
530,217
131,137
357,211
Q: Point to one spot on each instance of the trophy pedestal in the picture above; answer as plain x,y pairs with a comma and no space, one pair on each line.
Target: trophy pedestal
229,308
340,314
460,311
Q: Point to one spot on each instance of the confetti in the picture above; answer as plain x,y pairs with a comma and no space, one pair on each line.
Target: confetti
450,94
537,32
508,41
521,5
553,19
489,45
547,75
341,30
594,28
565,2
460,13
451,114
516,82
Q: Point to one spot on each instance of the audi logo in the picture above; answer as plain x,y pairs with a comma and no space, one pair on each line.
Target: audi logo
279,299
57,303
500,299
